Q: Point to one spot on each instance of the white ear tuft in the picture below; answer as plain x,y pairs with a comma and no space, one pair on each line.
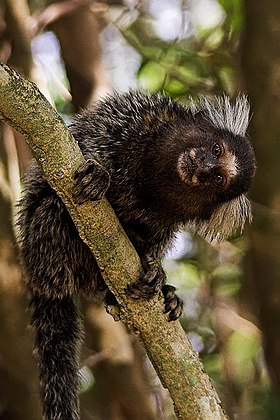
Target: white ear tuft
225,114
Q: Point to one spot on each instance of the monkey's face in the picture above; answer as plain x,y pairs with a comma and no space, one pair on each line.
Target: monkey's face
218,169
222,165
212,165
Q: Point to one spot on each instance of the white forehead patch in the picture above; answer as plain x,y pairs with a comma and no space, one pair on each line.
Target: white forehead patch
231,164
192,153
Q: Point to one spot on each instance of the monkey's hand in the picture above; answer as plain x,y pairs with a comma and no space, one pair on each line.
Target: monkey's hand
172,303
92,182
151,283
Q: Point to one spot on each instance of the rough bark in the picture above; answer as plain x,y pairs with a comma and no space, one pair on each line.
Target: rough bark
176,363
16,40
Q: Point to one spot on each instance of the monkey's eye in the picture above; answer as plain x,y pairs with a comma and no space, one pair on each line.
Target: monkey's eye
216,150
219,180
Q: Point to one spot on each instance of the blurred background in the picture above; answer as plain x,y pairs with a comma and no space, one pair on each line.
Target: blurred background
78,51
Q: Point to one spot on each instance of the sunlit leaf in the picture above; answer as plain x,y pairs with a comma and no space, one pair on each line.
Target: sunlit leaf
151,76
242,350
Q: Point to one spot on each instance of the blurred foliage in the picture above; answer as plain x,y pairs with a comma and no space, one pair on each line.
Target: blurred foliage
234,17
204,60
199,61
209,280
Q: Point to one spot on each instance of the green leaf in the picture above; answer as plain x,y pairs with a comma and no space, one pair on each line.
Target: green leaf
151,76
242,351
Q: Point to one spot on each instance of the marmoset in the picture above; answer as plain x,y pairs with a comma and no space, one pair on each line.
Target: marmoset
161,165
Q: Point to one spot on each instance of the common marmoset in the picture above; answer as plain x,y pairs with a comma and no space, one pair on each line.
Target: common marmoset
161,165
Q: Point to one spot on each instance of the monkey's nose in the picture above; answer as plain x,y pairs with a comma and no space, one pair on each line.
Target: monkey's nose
205,171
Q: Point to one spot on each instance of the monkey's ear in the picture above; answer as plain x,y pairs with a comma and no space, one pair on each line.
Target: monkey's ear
224,113
228,218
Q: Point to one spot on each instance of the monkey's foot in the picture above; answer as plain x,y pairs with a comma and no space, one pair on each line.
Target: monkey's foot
92,182
149,284
172,304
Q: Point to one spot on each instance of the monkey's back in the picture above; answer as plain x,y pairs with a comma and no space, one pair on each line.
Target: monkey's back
55,260
120,133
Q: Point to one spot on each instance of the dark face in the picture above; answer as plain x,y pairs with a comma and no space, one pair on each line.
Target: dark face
199,172
221,167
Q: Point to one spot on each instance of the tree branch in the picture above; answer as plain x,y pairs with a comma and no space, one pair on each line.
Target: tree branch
178,366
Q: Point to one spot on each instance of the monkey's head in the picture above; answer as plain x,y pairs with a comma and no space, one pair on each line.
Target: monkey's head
218,164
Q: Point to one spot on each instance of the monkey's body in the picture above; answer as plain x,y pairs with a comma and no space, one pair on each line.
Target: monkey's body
155,160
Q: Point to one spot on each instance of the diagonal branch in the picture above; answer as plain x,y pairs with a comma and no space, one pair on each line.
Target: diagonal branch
25,108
